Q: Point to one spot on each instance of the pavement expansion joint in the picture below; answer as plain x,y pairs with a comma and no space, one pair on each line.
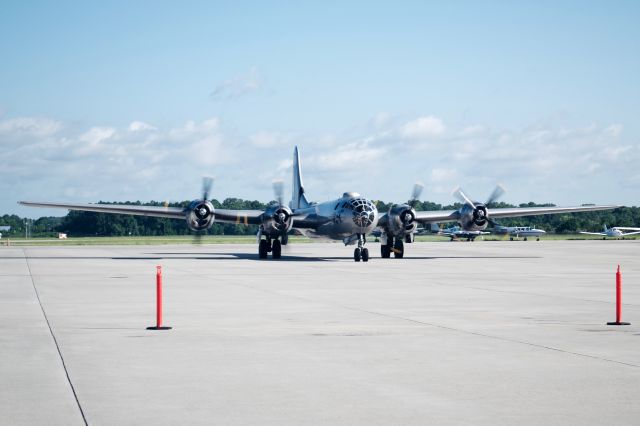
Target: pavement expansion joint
55,341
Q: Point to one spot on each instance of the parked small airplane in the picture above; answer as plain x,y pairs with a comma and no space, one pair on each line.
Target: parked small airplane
615,232
518,231
457,233
349,218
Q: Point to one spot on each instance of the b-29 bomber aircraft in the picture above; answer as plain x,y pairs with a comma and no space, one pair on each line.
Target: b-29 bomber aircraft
349,218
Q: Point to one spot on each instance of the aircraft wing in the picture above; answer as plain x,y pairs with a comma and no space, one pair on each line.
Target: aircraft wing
626,228
241,217
244,217
602,234
630,233
453,215
437,216
155,211
532,211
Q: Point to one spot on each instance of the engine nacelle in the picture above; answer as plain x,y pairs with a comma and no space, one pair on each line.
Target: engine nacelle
402,220
474,219
200,215
277,220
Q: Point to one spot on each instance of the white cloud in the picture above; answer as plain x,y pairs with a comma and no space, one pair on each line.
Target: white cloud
117,163
266,139
423,127
442,174
140,126
614,130
95,135
349,157
91,141
238,86
30,126
107,163
472,130
381,119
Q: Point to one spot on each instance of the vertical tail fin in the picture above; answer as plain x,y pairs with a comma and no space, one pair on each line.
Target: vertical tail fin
605,228
298,199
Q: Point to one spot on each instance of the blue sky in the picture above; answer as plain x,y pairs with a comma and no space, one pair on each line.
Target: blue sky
138,100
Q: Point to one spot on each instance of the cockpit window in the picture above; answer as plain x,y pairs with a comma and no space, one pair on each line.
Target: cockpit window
364,211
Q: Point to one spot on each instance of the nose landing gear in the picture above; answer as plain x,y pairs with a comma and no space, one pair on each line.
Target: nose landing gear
361,252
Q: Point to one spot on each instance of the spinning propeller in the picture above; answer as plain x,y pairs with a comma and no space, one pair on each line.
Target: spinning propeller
415,194
480,213
202,211
408,216
282,214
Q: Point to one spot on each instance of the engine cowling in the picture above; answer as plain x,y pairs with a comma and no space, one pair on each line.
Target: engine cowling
474,218
200,215
277,220
402,220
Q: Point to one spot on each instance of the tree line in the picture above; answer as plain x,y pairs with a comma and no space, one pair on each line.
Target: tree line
77,223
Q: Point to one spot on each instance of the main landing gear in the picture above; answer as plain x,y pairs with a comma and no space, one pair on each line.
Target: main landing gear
361,252
267,245
395,245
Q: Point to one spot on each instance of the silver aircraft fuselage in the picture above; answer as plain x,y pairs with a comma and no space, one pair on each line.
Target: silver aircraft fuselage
338,219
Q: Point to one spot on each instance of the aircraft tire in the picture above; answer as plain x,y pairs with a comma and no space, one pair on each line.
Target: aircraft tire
357,255
276,249
263,249
365,254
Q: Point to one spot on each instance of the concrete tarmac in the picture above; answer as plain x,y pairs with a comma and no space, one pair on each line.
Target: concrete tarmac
454,333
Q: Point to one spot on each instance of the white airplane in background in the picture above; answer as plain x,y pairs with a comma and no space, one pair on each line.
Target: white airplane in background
457,233
519,231
615,232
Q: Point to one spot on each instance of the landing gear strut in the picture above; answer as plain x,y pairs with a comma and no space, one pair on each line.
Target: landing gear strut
393,245
398,248
361,252
385,249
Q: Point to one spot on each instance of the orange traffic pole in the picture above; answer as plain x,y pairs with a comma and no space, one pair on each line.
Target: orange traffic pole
158,325
618,320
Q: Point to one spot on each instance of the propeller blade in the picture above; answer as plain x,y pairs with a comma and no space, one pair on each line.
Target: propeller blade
278,190
415,194
207,183
497,193
462,197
